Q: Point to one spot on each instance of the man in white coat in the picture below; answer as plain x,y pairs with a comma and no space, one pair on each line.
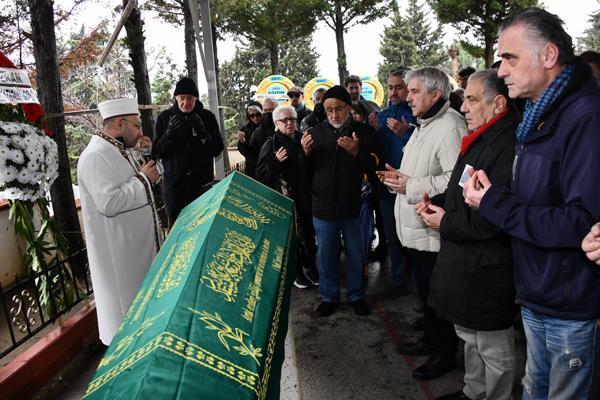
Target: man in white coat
427,163
119,215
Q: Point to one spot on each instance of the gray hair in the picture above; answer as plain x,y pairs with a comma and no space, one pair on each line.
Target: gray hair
280,110
542,28
492,84
432,78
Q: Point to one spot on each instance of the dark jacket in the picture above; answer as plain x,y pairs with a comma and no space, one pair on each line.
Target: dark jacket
187,156
271,171
302,112
553,200
472,282
249,152
336,175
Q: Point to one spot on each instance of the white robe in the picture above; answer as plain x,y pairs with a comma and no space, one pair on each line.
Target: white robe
121,228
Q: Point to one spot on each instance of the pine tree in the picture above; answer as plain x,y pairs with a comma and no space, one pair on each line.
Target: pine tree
250,65
591,37
411,42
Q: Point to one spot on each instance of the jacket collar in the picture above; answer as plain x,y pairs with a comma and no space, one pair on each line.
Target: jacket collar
437,109
490,130
581,83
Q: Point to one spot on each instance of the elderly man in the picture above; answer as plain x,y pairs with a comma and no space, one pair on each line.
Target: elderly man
338,152
472,282
296,95
121,225
553,200
186,139
392,125
426,166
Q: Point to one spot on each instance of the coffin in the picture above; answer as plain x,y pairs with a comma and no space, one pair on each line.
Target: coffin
210,318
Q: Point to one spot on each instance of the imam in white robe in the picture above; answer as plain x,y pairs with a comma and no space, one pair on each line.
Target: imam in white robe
121,227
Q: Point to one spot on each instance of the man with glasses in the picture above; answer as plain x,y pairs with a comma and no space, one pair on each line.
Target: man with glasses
296,95
338,153
118,212
186,139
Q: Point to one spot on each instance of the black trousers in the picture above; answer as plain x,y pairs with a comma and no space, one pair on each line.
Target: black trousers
438,332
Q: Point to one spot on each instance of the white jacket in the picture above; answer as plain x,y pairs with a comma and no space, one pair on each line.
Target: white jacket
428,159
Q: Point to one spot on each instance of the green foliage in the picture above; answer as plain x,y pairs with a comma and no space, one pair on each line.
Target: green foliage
591,37
167,73
269,23
240,76
479,18
411,42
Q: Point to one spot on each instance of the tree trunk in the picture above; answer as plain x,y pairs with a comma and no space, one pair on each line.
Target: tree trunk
191,61
135,41
274,54
50,95
488,52
339,40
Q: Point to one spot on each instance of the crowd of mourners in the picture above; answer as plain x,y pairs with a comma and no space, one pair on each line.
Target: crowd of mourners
485,197
482,196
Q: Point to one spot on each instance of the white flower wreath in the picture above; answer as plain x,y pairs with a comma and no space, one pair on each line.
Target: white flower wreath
28,161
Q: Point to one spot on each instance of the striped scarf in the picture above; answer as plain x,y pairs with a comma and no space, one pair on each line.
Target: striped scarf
535,111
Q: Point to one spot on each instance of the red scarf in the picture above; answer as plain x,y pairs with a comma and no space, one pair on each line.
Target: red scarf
468,140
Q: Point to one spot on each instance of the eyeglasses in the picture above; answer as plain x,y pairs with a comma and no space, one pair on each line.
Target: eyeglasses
254,115
287,120
335,110
293,95
136,124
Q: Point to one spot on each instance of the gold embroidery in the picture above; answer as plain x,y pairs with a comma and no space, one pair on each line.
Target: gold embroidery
277,259
183,349
245,221
248,208
179,266
255,287
224,272
224,332
124,343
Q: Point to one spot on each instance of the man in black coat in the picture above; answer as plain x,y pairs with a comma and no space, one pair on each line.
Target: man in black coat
186,139
472,282
337,152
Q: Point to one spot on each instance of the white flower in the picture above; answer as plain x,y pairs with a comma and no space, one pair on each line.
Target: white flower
8,174
16,155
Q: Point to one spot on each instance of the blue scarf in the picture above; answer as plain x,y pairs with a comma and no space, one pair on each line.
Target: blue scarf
535,111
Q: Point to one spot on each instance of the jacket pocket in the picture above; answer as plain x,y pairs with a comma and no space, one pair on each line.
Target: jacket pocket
565,270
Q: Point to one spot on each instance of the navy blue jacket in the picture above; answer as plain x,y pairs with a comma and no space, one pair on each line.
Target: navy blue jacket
554,199
391,146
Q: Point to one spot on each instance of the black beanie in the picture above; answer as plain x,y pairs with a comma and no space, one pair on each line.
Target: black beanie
338,92
186,86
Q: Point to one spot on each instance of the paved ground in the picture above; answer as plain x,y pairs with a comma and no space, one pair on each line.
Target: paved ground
343,357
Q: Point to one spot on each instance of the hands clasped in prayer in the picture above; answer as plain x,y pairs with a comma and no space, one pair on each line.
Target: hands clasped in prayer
393,179
350,144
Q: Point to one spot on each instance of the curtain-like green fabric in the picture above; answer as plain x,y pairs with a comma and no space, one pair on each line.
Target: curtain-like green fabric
210,318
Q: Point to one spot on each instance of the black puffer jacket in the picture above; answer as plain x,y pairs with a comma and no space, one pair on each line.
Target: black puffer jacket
187,156
337,176
472,282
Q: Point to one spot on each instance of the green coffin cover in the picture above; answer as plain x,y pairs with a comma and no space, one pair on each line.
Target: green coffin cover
210,319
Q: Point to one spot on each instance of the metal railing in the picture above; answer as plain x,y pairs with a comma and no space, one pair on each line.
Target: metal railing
32,303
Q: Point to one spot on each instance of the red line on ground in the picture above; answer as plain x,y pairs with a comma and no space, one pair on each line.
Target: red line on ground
391,332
